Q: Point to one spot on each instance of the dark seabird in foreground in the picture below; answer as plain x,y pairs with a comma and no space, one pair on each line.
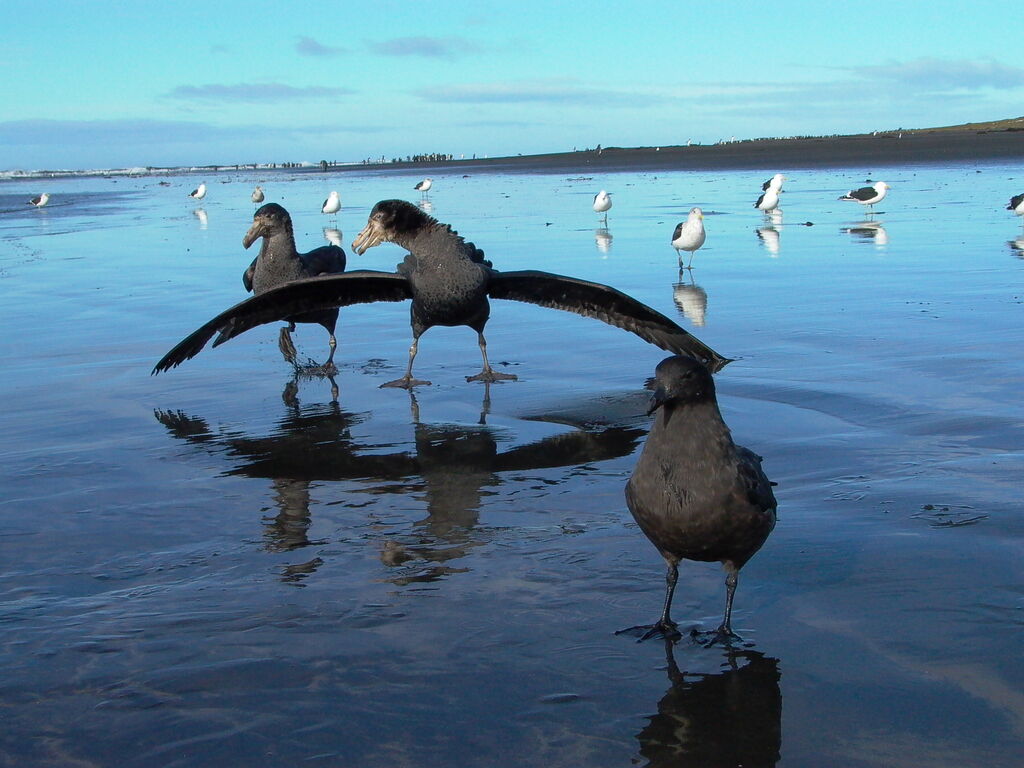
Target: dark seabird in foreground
695,493
278,262
449,283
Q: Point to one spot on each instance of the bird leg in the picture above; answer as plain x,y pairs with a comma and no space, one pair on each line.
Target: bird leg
664,626
732,576
407,381
284,343
488,374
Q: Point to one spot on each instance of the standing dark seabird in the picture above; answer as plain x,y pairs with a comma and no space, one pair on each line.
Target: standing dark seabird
278,262
449,283
695,493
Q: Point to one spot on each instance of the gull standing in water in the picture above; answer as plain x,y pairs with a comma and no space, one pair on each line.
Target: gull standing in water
450,284
868,195
689,236
424,186
603,203
1016,205
199,192
332,204
257,196
695,493
769,199
41,200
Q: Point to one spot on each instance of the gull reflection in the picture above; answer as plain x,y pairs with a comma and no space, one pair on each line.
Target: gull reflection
426,205
727,718
868,230
1017,247
603,239
690,299
450,468
200,214
769,237
333,236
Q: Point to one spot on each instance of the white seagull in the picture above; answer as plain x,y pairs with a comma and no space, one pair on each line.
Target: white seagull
332,204
40,201
689,235
602,203
868,195
775,182
425,185
199,192
257,195
769,199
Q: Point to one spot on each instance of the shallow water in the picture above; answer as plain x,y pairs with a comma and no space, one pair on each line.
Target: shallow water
224,565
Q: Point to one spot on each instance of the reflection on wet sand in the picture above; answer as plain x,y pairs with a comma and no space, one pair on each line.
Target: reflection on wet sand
690,299
869,230
450,467
730,718
204,220
769,237
603,239
333,236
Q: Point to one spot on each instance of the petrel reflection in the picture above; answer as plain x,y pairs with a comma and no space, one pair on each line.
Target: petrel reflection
448,467
729,718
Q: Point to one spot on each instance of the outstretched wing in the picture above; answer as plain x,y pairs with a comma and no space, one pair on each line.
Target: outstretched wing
603,303
315,293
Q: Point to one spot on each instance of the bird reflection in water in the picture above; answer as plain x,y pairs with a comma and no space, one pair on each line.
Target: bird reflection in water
426,205
603,240
769,237
729,718
449,468
333,236
690,299
869,231
1017,247
201,216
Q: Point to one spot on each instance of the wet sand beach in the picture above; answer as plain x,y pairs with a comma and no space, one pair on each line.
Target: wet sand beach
227,565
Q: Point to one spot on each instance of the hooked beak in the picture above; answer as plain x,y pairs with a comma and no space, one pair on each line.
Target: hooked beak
371,235
255,232
657,400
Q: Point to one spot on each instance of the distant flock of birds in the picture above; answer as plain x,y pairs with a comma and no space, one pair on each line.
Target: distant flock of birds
689,235
694,493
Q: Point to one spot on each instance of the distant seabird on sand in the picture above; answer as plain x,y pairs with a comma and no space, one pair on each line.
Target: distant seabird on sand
450,283
775,182
199,192
695,493
1016,204
424,186
257,195
41,200
278,262
689,235
769,200
868,195
332,204
603,203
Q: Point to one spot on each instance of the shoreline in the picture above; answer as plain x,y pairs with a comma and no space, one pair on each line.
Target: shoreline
912,147
892,148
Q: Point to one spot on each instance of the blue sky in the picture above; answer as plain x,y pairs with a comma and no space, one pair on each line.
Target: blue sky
117,84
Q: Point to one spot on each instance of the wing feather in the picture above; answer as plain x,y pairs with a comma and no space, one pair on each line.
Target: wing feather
310,295
603,303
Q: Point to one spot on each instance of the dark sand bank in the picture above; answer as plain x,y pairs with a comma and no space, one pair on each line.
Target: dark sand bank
939,146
